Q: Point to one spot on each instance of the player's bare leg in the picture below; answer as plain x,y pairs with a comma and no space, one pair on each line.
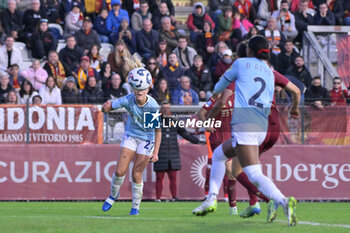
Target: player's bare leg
140,164
126,155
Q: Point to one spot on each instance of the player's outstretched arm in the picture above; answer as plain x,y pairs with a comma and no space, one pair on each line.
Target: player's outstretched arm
154,157
107,106
219,104
294,111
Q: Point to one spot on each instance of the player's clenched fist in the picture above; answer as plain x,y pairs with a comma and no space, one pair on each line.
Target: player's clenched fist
107,106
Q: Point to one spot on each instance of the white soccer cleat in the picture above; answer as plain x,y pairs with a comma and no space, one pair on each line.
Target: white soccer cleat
206,207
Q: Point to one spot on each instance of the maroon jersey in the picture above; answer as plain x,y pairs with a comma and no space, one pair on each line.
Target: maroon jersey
225,116
273,130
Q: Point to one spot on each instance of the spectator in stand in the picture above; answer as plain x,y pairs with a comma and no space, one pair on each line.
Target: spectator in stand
172,72
51,9
153,6
11,97
92,94
42,41
5,87
96,59
70,93
241,25
324,16
31,19
15,78
276,37
147,40
161,91
117,57
281,97
287,57
35,74
252,32
302,19
100,26
299,71
84,71
74,20
67,5
224,28
224,63
115,16
87,37
115,90
205,42
337,7
71,54
169,157
26,93
347,13
217,55
169,34
139,15
162,53
196,20
245,7
37,100
9,55
162,11
317,95
337,95
153,68
295,5
50,93
125,33
200,78
11,19
286,21
55,68
217,7
265,10
184,52
106,74
185,95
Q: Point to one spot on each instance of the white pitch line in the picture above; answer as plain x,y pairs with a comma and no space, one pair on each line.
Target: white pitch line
318,224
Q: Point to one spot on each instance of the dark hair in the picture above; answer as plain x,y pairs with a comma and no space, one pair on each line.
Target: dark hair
298,57
289,40
47,81
70,36
37,96
337,78
182,37
317,77
90,51
143,2
284,1
14,65
52,51
250,31
242,49
8,96
21,92
197,57
259,46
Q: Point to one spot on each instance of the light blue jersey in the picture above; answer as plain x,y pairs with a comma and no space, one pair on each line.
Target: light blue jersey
254,87
135,125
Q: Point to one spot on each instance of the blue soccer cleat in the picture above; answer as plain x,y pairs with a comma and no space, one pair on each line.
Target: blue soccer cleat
107,205
134,211
250,211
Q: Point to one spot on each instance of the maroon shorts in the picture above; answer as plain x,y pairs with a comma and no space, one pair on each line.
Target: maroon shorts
273,132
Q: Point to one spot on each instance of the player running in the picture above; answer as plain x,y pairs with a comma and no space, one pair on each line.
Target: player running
250,120
138,141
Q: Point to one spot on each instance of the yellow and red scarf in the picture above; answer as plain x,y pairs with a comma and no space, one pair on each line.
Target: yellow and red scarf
173,68
82,76
58,74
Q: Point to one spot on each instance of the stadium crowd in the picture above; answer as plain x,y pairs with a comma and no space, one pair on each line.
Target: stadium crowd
185,64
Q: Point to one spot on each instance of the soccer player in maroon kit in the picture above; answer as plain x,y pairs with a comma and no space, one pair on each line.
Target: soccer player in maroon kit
270,140
218,136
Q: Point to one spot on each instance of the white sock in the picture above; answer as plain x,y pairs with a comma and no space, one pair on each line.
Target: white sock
217,172
115,185
137,191
264,184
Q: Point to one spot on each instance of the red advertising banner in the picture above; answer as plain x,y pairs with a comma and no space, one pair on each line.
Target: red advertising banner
54,124
83,172
343,44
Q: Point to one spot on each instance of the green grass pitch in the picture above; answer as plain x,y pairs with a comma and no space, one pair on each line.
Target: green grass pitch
164,217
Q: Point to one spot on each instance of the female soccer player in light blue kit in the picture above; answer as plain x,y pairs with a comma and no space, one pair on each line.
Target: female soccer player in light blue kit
138,140
254,82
